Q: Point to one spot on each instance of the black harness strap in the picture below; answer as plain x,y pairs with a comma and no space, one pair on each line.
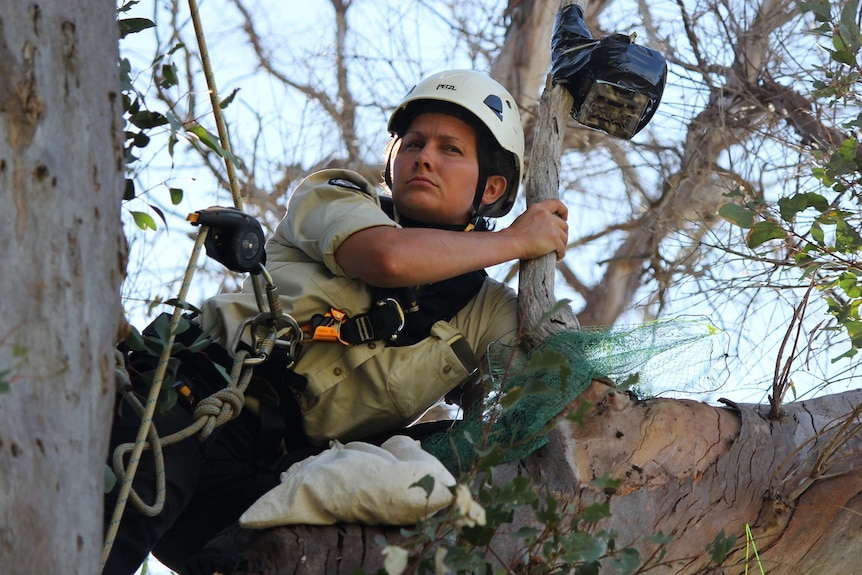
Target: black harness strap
434,301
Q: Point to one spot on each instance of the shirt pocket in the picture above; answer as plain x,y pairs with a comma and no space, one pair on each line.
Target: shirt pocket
423,373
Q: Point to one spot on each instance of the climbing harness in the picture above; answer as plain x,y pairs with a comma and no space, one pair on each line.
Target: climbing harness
383,323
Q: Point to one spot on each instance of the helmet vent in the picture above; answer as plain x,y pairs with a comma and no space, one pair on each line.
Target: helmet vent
495,104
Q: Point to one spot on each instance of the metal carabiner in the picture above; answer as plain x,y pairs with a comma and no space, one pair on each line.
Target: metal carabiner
266,333
399,310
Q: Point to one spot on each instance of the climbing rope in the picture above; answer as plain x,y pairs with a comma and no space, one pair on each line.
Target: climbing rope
147,429
221,126
210,412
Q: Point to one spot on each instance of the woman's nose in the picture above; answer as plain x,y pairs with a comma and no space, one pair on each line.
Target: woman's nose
424,157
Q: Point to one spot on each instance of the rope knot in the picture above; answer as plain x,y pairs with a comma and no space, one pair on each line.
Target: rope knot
219,408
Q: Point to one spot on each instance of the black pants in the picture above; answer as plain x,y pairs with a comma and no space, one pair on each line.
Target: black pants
208,486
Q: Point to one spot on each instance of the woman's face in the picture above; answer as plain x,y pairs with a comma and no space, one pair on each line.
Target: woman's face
436,170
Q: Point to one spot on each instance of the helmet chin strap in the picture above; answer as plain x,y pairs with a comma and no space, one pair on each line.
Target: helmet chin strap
480,190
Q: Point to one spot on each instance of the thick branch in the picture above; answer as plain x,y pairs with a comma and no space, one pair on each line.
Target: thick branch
536,281
686,469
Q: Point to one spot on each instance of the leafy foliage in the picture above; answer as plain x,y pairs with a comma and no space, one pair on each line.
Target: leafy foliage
144,123
720,547
551,537
152,342
821,225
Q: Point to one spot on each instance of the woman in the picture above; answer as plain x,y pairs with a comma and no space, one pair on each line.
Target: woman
397,286
455,160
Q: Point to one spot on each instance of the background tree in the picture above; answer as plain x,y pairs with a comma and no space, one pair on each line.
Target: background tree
63,259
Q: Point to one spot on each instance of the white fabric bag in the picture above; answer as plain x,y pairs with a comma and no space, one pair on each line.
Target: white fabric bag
355,483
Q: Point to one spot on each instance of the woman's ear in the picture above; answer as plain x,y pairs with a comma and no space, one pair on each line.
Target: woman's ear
495,187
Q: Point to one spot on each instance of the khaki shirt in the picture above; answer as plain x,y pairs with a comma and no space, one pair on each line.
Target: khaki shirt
361,390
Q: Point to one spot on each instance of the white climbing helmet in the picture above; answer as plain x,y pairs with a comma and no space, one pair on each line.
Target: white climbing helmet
486,99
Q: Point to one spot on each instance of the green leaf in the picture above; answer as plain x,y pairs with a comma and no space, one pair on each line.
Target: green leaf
848,22
762,232
820,9
720,547
606,483
629,382
626,561
817,233
560,305
660,538
738,215
490,457
135,341
176,195
134,25
842,53
129,190
478,535
537,386
577,416
596,512
125,75
140,140
426,483
789,206
817,202
588,568
176,47
5,380
211,142
541,361
144,220
176,302
528,534
583,547
146,119
169,397
159,213
512,396
110,479
127,6
227,101
848,148
169,76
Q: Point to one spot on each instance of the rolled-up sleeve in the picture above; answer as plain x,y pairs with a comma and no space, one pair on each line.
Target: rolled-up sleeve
327,208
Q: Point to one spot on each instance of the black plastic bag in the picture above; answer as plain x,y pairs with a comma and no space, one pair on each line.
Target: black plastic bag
616,84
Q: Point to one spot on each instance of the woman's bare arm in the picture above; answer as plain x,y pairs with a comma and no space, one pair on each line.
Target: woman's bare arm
397,257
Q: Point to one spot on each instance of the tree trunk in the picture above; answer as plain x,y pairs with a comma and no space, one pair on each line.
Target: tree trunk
687,470
62,262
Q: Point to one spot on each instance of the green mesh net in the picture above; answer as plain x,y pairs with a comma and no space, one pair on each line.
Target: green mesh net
529,391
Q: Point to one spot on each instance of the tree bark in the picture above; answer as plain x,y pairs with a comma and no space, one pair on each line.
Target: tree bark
687,470
541,315
62,262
